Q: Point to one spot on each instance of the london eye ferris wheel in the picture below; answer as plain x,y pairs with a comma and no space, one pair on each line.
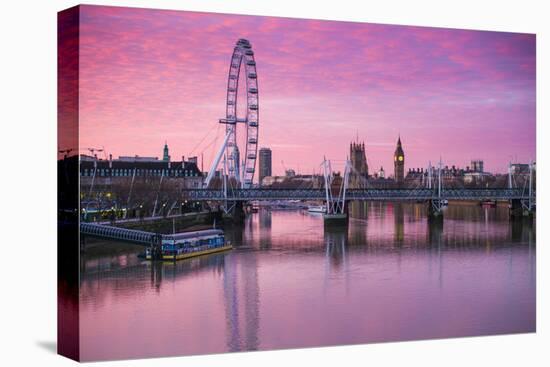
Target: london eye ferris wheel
242,168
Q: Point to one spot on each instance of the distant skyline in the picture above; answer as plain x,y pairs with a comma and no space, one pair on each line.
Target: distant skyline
150,76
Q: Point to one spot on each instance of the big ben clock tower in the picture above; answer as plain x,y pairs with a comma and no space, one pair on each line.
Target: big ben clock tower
399,163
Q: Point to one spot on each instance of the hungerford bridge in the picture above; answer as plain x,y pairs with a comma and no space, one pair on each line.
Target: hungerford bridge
238,170
336,197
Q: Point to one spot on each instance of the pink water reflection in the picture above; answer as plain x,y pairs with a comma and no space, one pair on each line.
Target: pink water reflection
290,284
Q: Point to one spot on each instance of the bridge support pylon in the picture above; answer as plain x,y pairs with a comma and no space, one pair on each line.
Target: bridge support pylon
238,212
336,219
335,197
522,207
436,204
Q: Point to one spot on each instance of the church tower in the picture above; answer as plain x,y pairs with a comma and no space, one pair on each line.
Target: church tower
358,159
166,156
399,163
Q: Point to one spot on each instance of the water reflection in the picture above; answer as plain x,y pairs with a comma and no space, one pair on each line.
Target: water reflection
157,270
336,242
288,278
435,234
231,306
242,318
399,220
264,221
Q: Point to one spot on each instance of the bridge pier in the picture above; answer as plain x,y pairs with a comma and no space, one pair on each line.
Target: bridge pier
335,220
435,210
236,214
514,209
518,208
337,217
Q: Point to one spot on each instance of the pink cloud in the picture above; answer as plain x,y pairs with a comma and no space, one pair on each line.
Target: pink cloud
152,75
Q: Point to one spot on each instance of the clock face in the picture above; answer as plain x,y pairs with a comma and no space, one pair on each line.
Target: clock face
400,158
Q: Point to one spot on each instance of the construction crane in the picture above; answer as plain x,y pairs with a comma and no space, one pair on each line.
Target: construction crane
94,150
283,164
66,152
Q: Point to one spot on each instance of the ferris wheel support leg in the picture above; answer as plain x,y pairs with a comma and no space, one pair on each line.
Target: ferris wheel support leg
216,162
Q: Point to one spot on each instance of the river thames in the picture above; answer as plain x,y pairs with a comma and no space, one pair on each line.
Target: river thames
391,276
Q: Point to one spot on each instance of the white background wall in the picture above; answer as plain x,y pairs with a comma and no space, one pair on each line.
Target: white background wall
28,151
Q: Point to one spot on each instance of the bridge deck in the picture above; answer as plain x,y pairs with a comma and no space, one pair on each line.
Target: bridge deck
355,194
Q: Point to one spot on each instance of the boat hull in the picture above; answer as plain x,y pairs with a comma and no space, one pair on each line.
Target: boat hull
188,255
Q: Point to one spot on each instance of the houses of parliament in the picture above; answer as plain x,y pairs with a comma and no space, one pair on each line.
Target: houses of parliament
360,167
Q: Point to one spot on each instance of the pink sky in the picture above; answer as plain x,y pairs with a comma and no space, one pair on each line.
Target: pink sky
147,76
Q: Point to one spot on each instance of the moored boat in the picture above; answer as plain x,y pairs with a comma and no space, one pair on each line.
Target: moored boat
180,246
317,209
